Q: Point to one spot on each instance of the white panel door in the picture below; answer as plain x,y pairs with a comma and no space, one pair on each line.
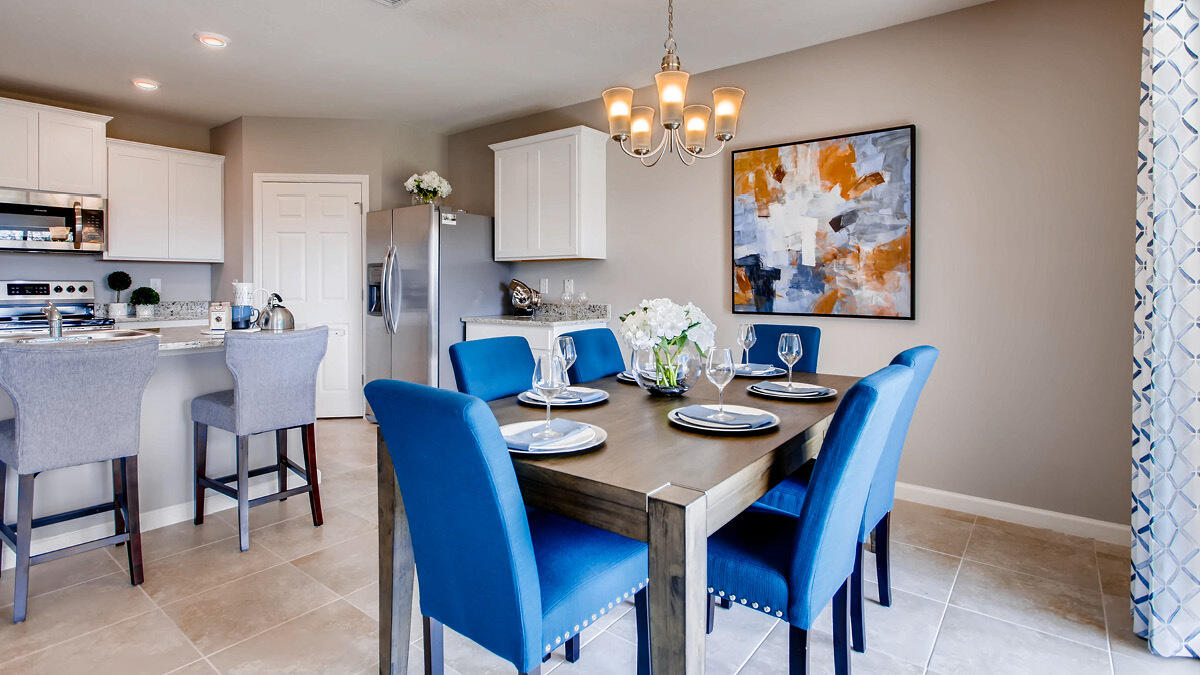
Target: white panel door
137,202
556,197
515,179
197,229
18,146
311,250
71,152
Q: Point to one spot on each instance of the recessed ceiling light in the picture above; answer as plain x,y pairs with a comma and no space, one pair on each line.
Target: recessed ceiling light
143,83
214,40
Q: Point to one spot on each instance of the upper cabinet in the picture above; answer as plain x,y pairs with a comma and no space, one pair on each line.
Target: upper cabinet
164,204
550,196
51,149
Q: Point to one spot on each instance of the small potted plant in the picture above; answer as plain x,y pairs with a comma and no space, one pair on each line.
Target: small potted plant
144,299
118,281
426,187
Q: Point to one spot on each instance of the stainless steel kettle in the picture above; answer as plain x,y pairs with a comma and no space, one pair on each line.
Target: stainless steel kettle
275,317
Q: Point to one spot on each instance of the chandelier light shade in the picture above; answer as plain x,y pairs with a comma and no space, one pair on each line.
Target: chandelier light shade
635,124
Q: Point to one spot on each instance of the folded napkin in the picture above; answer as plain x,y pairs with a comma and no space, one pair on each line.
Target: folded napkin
703,415
755,368
798,388
524,440
571,395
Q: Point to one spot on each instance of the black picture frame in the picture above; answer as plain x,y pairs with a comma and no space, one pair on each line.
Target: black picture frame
912,313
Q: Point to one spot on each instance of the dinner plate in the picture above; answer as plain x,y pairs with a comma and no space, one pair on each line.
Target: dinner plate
626,377
799,395
581,444
775,371
675,418
527,398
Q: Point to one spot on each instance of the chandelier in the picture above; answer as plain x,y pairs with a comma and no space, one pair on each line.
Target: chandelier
627,122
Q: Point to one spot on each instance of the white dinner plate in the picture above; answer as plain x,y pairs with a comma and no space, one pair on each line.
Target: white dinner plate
626,377
674,417
775,371
530,398
799,395
581,443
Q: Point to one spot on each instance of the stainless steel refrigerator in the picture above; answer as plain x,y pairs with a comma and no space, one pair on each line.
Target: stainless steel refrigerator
426,267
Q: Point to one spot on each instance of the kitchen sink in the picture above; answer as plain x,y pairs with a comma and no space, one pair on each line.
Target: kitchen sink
89,336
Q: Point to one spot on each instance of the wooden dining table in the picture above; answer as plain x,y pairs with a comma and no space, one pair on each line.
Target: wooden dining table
651,480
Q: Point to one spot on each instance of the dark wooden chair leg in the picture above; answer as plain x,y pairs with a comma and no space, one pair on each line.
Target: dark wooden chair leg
129,475
243,491
572,650
883,570
435,658
24,533
641,605
281,459
797,651
200,458
724,603
118,498
841,645
711,619
309,440
858,637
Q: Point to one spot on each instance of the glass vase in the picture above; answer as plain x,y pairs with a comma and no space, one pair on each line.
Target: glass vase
667,371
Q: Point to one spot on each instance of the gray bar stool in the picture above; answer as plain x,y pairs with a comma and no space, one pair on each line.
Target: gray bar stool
75,404
274,389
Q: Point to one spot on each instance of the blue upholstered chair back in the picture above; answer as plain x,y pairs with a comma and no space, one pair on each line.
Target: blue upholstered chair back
597,355
274,378
75,403
492,368
883,488
470,534
829,520
766,347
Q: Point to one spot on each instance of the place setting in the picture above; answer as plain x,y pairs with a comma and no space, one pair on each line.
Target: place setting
570,397
747,339
721,418
553,436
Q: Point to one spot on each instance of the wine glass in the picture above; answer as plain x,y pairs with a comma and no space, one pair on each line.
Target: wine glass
720,373
790,351
746,340
566,349
549,380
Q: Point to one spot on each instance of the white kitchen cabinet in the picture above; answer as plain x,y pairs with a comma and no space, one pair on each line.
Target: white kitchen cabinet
540,334
18,146
52,149
164,204
550,196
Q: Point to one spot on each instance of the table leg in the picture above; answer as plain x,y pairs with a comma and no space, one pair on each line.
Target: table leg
396,571
678,580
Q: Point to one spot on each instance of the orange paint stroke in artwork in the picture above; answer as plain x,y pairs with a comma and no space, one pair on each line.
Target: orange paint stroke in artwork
835,163
826,303
880,262
760,173
865,183
743,292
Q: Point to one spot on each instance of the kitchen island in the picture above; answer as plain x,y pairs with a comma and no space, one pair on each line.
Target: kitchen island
190,363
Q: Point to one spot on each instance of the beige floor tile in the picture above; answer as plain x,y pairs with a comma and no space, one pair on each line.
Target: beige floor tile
1121,638
345,444
1052,607
906,630
70,612
772,657
146,644
293,538
222,616
1150,664
60,573
191,572
930,527
366,507
266,515
465,656
607,654
1115,568
344,567
367,601
606,620
177,538
1043,553
416,663
200,667
974,643
737,633
917,570
350,485
336,638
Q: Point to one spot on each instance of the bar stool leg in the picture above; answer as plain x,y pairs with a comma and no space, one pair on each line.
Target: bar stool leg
310,472
243,491
200,457
281,459
118,482
129,474
24,533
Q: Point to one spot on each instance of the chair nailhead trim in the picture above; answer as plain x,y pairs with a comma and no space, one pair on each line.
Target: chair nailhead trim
567,636
764,608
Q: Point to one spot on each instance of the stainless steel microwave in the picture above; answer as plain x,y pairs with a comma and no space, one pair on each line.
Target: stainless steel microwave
47,221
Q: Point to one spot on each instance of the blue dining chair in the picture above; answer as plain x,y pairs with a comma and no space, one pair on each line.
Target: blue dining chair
518,582
597,355
790,566
766,346
492,368
789,495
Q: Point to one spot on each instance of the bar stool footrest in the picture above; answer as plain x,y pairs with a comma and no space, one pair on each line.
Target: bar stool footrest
276,496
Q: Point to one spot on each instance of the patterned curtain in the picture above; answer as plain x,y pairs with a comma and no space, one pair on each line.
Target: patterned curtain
1165,587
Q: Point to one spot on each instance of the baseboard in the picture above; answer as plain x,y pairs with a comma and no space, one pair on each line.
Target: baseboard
1113,533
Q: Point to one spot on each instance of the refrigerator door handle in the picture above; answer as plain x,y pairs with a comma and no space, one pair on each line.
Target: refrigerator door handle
385,290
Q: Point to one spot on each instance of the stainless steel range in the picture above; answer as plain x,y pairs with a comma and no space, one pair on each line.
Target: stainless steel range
21,304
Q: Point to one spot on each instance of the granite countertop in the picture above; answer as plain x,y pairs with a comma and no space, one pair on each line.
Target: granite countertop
549,315
186,338
163,311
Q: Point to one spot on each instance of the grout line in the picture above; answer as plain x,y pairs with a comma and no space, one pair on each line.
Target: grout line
757,646
1112,667
156,608
282,623
950,594
223,583
1036,630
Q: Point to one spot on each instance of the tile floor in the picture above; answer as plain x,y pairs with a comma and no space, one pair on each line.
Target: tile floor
971,595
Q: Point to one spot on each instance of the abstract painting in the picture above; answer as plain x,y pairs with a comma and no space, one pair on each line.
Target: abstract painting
825,227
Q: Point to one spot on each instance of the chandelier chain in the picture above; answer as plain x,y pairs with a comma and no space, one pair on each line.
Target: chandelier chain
669,43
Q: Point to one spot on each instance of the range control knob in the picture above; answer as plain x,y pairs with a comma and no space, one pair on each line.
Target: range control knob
83,289
70,289
58,289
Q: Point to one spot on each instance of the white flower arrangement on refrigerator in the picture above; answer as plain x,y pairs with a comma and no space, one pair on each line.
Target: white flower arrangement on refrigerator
667,328
428,186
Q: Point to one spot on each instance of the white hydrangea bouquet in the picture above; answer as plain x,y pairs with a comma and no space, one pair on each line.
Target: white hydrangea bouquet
428,186
666,329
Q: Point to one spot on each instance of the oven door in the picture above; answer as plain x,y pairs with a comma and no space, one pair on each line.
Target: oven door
44,221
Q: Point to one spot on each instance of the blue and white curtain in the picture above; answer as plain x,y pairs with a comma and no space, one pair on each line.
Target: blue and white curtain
1165,587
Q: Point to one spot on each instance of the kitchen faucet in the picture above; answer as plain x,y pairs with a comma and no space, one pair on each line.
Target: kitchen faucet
55,318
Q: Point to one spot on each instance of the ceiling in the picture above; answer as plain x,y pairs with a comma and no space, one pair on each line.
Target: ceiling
445,65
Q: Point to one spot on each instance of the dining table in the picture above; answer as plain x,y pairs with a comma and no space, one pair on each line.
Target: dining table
652,480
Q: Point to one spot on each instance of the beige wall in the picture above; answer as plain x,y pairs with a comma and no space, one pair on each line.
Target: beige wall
387,152
1026,115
